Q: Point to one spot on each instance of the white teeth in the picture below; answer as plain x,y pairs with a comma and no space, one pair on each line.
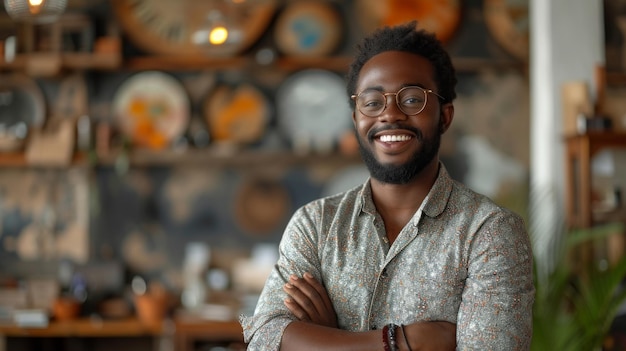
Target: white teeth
392,138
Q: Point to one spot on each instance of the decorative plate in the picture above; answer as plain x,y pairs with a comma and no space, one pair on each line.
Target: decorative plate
152,109
261,205
313,110
238,114
439,16
22,107
308,28
181,27
508,23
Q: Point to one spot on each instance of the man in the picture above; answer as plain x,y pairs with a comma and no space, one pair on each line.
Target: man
411,260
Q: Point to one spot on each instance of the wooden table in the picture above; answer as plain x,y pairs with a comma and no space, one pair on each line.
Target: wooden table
189,331
184,332
579,153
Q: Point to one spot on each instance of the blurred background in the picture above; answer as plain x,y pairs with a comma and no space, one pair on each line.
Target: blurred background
152,151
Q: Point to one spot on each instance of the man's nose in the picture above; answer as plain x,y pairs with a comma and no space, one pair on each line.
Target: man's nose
392,111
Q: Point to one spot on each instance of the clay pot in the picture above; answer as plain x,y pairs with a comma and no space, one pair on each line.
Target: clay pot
151,308
65,308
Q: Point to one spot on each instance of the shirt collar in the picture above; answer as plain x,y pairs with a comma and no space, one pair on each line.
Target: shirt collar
437,198
432,206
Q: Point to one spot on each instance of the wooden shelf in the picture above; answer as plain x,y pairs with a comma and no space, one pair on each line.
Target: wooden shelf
338,63
17,159
580,150
596,141
84,61
466,64
209,157
216,157
184,63
184,331
32,63
616,79
86,327
192,63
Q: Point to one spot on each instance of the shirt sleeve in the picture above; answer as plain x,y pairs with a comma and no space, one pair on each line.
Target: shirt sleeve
496,307
297,255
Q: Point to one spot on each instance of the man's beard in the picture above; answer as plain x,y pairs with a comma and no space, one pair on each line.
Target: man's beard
404,173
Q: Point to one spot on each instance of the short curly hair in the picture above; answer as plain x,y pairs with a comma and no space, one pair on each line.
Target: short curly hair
405,37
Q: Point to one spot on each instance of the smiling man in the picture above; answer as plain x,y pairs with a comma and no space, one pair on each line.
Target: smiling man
411,260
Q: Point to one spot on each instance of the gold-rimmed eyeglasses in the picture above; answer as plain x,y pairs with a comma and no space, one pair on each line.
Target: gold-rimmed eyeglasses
411,100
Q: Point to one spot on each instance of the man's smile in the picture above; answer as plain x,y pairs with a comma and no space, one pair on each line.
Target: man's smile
390,138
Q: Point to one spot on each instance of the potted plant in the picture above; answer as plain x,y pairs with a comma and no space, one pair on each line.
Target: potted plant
577,301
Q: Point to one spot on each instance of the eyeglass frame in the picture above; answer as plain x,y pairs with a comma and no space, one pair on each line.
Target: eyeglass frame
385,94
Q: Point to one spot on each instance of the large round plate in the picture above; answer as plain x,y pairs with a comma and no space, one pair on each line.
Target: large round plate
22,106
237,114
313,109
439,16
152,109
261,205
179,27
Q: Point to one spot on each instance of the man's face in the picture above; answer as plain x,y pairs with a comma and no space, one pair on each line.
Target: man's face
396,147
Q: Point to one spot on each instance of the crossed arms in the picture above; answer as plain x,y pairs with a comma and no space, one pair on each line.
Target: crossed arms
317,325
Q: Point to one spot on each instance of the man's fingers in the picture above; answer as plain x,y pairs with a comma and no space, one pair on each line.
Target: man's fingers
301,299
308,300
320,290
297,311
313,296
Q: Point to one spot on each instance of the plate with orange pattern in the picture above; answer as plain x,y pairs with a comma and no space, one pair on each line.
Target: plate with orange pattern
152,109
237,113
439,16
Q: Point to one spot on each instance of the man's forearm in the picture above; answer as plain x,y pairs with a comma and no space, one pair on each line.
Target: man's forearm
302,336
431,336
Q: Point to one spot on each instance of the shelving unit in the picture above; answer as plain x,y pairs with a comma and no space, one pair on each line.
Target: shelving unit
209,157
18,159
580,149
66,61
213,155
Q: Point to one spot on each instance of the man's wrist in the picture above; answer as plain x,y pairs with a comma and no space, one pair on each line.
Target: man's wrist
406,338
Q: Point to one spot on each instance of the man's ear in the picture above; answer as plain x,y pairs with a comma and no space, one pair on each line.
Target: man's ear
447,115
353,118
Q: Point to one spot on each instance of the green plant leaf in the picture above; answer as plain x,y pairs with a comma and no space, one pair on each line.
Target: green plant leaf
576,304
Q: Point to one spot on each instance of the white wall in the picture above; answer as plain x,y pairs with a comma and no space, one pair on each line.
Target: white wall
567,42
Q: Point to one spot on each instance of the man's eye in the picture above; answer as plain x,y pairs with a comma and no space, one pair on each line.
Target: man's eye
411,101
372,104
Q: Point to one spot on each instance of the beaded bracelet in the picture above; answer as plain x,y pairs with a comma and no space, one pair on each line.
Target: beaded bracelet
389,337
386,338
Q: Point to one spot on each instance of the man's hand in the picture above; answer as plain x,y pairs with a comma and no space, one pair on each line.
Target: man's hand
309,301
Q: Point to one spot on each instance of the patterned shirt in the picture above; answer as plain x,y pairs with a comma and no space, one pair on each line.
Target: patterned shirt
461,259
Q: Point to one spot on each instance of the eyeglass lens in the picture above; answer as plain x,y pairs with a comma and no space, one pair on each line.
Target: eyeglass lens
410,100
